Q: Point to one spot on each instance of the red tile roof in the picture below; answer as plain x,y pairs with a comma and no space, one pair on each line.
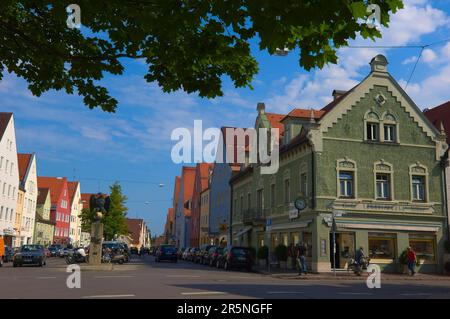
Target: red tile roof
23,162
42,195
55,184
72,186
5,117
85,199
305,114
188,179
275,121
440,114
135,229
176,191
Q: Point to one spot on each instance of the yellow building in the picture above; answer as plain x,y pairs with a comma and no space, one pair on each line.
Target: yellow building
18,217
44,228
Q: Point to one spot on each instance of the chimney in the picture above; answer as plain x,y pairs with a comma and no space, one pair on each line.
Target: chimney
379,64
261,108
337,93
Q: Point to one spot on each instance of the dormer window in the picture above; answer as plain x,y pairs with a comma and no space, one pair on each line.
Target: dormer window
389,133
390,127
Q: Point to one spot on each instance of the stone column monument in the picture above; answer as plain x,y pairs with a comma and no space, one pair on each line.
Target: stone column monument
99,203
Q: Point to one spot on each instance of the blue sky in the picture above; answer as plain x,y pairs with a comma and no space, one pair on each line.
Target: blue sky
133,145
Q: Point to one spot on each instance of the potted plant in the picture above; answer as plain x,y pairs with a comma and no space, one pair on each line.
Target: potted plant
281,252
263,252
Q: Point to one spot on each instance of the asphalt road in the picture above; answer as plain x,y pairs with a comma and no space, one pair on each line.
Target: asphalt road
143,278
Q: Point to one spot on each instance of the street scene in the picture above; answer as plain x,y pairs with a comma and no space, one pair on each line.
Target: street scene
203,149
144,278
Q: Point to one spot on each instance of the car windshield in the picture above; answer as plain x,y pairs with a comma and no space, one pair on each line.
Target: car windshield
31,248
240,252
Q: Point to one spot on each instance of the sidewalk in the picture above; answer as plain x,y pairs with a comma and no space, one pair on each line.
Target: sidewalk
346,275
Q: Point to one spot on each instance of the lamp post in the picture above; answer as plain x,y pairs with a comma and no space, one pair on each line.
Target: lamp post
334,213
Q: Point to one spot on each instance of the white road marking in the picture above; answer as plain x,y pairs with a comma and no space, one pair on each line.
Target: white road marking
182,276
355,293
204,293
45,277
109,296
416,294
118,276
285,292
241,277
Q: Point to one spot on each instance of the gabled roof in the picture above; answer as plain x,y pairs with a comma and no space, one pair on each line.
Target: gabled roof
5,117
42,195
176,191
440,115
72,186
24,161
188,180
56,185
135,228
85,199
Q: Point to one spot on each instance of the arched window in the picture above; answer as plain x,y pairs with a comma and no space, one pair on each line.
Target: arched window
390,128
371,126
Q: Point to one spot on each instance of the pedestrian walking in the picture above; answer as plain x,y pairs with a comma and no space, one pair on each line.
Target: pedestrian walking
411,257
359,260
141,251
301,259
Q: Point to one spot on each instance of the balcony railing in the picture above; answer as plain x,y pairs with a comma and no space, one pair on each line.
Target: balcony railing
253,216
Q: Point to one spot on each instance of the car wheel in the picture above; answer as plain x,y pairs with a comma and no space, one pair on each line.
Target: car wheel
120,261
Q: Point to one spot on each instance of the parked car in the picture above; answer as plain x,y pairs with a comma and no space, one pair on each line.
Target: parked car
236,257
166,253
30,255
192,254
202,255
213,255
8,254
54,250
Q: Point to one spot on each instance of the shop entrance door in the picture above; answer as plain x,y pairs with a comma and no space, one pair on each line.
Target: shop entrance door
345,249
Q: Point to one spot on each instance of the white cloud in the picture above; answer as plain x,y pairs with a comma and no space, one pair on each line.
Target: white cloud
409,60
446,50
429,56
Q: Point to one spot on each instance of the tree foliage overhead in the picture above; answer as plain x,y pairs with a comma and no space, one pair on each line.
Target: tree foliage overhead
186,44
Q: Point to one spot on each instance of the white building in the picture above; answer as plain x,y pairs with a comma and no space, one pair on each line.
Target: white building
9,178
75,211
28,183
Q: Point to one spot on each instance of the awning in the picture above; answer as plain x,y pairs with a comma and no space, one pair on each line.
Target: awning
243,231
291,225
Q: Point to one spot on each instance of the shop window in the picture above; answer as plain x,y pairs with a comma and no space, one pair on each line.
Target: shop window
382,246
307,239
424,247
284,239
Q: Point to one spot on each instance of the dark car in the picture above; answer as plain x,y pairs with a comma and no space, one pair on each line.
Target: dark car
64,252
202,254
54,250
134,250
236,257
166,253
8,254
30,255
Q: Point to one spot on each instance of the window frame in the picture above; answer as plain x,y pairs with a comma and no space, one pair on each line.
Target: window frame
346,165
385,168
419,170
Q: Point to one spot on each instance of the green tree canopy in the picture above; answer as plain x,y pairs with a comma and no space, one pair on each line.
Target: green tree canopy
186,44
114,222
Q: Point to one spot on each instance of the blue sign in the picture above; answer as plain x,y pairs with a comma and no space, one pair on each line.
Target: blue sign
269,222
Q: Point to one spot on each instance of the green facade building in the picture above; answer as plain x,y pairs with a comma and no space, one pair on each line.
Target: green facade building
371,159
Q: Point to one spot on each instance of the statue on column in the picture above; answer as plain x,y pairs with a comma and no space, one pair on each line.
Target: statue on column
100,204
